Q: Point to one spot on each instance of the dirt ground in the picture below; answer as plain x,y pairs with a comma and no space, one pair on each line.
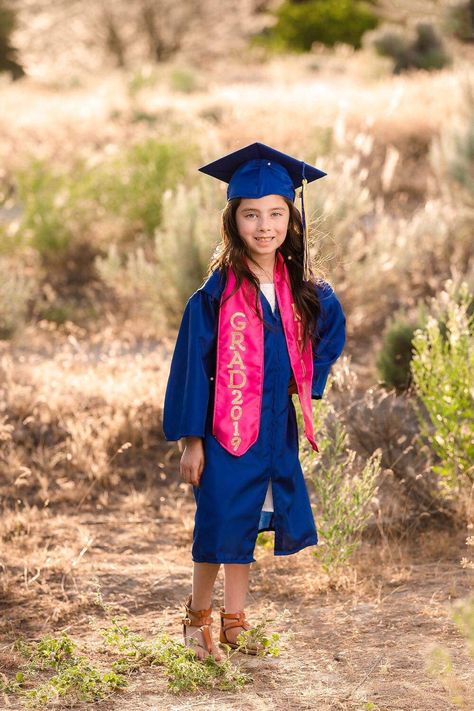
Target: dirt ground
362,644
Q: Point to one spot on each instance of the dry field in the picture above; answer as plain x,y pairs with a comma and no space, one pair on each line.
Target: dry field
89,490
362,640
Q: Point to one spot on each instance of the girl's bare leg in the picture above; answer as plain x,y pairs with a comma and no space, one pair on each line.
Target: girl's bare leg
204,577
236,583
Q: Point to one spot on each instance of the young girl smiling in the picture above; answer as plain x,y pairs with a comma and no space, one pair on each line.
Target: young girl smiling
260,329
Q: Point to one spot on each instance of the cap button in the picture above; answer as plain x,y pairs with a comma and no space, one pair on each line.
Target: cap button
268,163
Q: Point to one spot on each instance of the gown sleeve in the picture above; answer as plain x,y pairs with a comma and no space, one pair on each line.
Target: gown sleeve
331,329
192,366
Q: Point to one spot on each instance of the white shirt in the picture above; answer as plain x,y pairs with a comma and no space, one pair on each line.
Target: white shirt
269,293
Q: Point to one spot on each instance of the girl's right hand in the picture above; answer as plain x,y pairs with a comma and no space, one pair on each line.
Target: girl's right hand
192,461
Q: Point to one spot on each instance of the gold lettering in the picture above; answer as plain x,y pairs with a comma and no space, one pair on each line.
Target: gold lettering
235,443
236,360
237,397
236,341
232,383
238,325
235,412
237,376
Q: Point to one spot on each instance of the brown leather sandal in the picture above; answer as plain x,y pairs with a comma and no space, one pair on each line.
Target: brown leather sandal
201,619
236,619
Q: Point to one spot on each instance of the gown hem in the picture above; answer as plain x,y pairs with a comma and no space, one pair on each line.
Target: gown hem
310,542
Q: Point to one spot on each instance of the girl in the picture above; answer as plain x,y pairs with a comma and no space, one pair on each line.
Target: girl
260,329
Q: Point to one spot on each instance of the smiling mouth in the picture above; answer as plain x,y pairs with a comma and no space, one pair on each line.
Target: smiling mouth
264,239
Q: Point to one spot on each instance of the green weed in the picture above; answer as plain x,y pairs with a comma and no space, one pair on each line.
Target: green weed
343,484
76,679
183,670
443,367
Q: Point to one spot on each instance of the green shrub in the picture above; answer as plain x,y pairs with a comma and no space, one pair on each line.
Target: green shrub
459,20
161,279
184,81
8,54
65,207
344,486
393,362
443,374
423,51
301,23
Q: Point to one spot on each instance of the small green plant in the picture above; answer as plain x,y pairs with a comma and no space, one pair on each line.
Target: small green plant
344,487
257,638
184,81
443,368
393,362
423,51
75,678
265,540
77,681
183,670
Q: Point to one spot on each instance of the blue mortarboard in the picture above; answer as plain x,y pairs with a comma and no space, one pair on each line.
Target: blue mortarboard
258,170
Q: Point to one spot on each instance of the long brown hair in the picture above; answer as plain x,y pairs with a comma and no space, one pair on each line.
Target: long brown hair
232,252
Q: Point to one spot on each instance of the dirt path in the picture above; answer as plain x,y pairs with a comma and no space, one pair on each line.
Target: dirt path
365,646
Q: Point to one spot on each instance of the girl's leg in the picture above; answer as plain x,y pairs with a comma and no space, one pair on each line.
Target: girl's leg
236,583
204,577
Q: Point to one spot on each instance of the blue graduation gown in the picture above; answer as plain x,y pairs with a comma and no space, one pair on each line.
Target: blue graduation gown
232,489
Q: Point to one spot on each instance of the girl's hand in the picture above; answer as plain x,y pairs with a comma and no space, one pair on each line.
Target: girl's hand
192,461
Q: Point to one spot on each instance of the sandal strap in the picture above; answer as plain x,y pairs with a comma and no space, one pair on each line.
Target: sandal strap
202,620
201,617
235,619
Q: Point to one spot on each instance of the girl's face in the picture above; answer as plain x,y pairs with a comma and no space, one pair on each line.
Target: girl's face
262,224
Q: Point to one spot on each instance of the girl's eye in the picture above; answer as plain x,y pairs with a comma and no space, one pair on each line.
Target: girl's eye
277,214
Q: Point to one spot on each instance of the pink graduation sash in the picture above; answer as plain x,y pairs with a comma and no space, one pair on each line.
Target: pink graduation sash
239,369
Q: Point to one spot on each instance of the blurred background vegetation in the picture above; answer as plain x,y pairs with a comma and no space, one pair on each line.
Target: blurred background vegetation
106,227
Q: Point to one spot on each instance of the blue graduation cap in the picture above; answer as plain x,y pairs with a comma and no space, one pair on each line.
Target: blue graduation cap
258,170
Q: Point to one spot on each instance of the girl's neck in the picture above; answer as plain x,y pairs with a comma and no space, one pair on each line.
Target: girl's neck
263,268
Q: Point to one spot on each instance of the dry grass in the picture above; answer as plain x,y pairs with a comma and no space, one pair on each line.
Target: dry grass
81,422
364,636
358,636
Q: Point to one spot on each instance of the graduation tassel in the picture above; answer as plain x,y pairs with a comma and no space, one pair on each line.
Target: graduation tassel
306,254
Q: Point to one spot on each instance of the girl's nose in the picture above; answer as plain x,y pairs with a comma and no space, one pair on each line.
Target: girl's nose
263,226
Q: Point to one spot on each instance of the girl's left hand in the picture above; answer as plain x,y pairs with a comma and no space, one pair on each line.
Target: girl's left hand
192,461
